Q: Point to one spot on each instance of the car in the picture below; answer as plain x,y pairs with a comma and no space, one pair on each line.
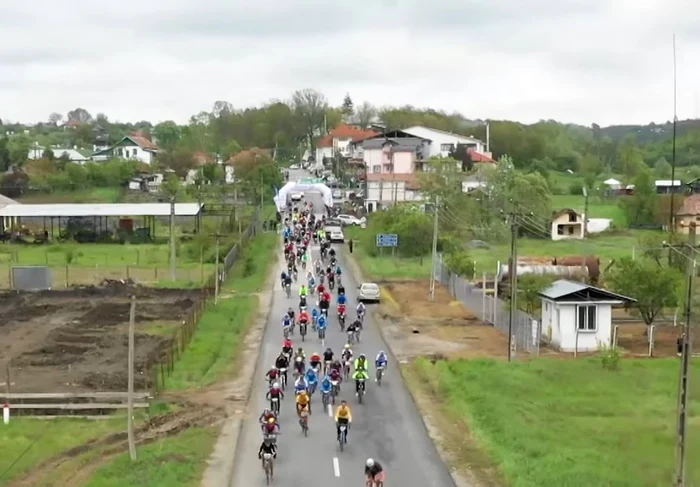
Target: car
294,166
368,291
351,220
337,194
297,196
336,234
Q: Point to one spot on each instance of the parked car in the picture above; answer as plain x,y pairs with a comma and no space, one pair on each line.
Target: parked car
294,166
351,220
335,234
297,196
368,291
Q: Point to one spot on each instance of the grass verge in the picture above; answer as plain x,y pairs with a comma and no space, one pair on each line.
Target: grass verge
251,270
569,422
173,462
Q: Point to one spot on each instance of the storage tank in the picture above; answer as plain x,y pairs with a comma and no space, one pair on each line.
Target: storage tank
590,261
562,271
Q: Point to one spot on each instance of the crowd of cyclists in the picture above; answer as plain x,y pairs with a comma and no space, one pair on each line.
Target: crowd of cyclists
323,373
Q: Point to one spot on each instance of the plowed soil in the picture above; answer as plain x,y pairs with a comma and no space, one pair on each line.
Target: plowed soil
76,340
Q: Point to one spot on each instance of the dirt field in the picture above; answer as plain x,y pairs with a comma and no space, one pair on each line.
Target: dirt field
76,340
443,326
633,339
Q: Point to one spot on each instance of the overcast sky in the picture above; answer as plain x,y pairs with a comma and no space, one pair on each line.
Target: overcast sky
583,61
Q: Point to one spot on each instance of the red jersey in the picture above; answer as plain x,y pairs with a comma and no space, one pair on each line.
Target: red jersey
326,296
320,288
270,427
304,317
335,374
341,309
315,358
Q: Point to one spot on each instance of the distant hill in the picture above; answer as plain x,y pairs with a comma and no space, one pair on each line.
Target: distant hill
648,133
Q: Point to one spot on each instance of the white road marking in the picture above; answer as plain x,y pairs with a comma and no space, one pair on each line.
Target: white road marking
330,411
336,466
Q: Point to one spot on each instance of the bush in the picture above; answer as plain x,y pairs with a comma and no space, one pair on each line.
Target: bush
413,227
576,188
461,263
609,357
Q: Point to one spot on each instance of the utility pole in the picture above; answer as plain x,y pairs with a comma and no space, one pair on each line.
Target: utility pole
130,405
585,212
216,281
686,353
672,216
172,238
435,240
262,187
513,271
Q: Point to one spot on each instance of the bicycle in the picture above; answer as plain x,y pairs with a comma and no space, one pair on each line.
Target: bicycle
343,436
283,378
380,374
341,321
325,399
287,331
304,421
322,336
302,331
288,290
346,369
361,390
351,338
275,405
267,466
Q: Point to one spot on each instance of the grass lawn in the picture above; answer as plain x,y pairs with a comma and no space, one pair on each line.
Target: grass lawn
174,462
597,207
606,247
42,439
570,423
251,270
91,195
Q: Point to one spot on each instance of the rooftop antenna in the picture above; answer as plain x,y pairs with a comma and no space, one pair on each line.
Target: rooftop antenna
671,212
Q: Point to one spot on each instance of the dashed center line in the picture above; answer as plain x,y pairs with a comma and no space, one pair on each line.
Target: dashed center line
336,466
330,411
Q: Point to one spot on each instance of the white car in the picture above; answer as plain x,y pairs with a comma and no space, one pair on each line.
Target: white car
297,196
368,291
294,166
336,235
351,220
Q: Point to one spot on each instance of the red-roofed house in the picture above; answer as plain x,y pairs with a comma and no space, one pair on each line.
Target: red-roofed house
339,139
136,145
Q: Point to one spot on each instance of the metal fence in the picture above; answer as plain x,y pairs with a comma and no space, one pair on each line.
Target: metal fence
526,329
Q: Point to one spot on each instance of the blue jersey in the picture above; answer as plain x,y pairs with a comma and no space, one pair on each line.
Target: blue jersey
312,282
301,386
381,360
338,271
314,313
311,376
286,321
342,299
326,385
322,323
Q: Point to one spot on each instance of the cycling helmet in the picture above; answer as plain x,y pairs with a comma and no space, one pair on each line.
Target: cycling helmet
362,356
276,385
274,366
347,346
271,420
299,359
381,352
369,463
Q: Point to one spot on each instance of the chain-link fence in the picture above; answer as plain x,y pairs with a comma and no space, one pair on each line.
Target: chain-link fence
526,330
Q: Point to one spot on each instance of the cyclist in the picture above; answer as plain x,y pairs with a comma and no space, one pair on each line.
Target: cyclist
381,360
270,426
283,278
322,323
266,415
317,265
300,384
361,310
299,354
311,281
287,280
287,321
331,252
326,385
304,317
267,446
275,391
361,371
303,291
311,377
320,288
314,316
303,402
327,359
273,374
315,361
338,271
287,347
282,364
290,312
342,298
374,472
347,353
299,366
343,415
354,328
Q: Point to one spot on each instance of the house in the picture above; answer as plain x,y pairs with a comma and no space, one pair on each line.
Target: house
578,317
666,186
138,147
339,139
386,155
567,224
442,143
37,152
687,213
384,189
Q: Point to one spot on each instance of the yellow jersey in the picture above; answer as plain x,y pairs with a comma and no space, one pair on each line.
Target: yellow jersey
303,399
343,413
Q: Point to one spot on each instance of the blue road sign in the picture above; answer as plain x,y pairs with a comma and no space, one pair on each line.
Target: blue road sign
387,240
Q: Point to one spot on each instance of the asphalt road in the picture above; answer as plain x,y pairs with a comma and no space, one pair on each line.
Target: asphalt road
386,427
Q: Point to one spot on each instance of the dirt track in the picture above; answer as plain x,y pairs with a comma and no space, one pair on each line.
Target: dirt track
76,340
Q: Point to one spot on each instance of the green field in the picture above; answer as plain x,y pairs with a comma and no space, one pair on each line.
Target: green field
91,195
569,423
597,207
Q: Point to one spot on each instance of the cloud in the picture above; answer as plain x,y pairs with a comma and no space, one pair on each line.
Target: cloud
604,61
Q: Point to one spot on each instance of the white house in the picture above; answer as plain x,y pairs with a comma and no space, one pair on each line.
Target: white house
339,139
441,142
385,189
130,147
578,317
37,152
567,224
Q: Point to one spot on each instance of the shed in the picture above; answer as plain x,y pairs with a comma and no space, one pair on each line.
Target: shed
578,317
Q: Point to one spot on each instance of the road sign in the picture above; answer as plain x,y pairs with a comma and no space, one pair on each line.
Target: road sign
387,240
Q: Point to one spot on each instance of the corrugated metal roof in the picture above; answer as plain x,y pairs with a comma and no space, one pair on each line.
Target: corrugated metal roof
5,201
397,142
564,287
100,209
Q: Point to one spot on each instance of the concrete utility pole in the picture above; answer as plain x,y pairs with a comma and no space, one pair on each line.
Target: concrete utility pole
216,283
513,271
262,186
585,212
686,353
435,240
172,238
130,405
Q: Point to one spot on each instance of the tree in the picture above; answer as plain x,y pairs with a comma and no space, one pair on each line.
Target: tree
5,157
348,108
168,134
529,288
630,159
172,186
256,172
310,106
662,168
461,154
213,173
79,115
590,167
221,108
513,190
364,114
48,154
19,149
55,118
641,208
654,287
460,262
179,160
